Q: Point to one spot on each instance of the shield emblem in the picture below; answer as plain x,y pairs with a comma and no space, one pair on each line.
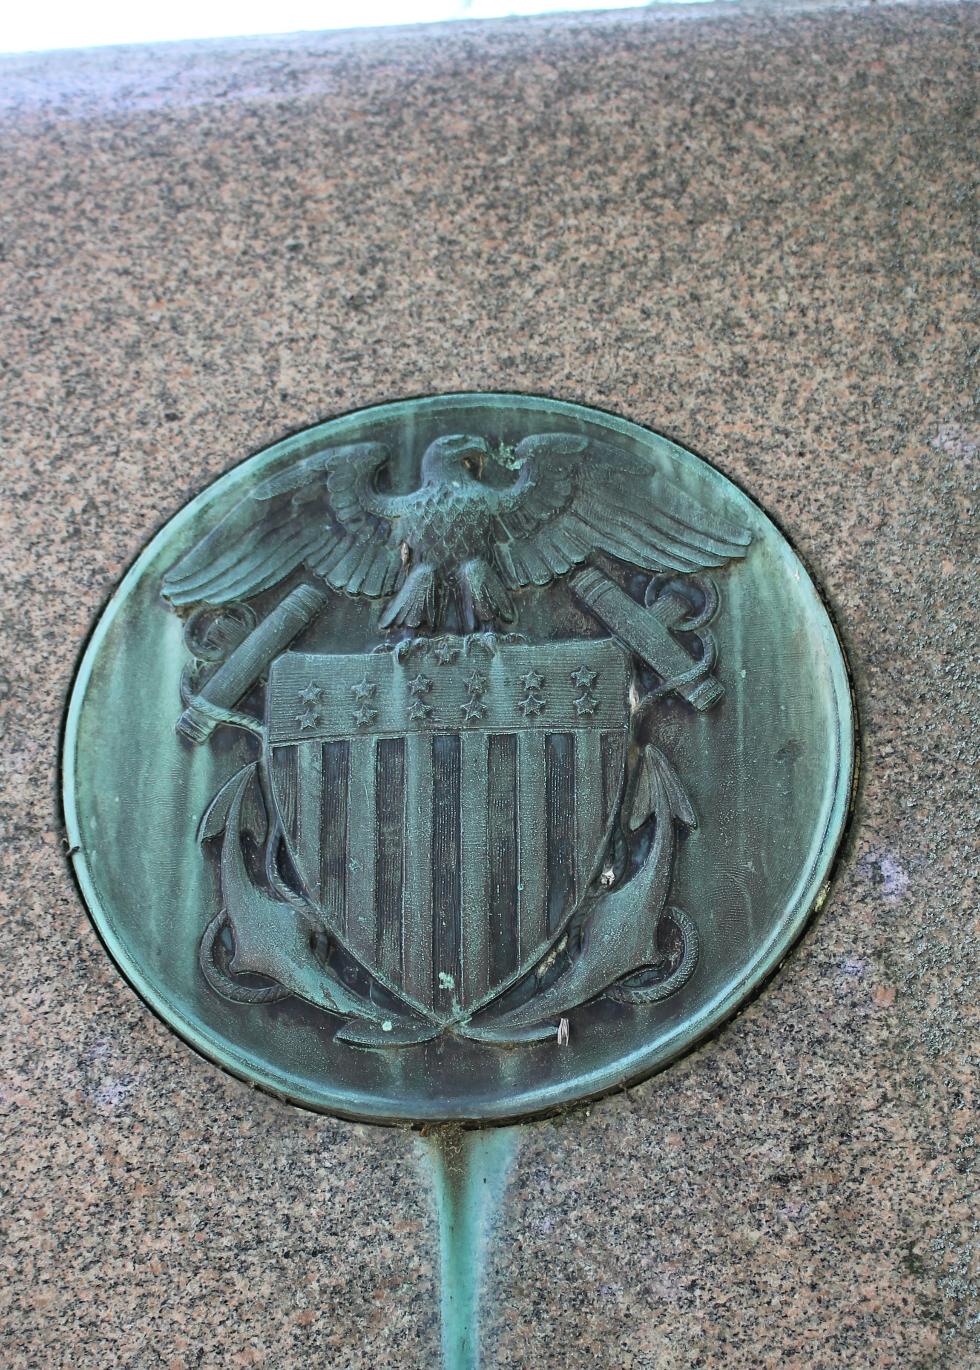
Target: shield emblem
446,813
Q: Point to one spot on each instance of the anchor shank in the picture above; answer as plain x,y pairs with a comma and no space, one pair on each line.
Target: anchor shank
235,677
647,632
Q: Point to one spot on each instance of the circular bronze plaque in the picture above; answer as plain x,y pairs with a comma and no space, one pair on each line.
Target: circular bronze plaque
458,759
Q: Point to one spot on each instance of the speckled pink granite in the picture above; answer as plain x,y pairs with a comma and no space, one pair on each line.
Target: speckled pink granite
750,230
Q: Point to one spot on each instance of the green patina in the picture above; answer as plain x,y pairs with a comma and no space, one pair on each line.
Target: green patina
469,1173
578,811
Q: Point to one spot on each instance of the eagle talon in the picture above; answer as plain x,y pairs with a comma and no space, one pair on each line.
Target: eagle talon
486,641
491,642
403,649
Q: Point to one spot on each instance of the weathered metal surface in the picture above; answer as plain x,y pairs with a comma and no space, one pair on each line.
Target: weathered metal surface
513,745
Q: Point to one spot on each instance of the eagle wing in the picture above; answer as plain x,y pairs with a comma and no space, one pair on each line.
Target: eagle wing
323,513
574,498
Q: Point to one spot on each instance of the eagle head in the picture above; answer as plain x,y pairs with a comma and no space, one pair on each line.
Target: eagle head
454,459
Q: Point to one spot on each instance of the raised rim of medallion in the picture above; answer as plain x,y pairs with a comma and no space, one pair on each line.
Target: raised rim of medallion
627,1071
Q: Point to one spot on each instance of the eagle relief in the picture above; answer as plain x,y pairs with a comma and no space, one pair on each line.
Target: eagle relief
465,823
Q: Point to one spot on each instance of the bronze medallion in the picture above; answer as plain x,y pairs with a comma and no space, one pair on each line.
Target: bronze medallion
458,758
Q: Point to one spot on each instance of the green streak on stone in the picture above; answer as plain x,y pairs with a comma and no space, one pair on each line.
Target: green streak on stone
469,1171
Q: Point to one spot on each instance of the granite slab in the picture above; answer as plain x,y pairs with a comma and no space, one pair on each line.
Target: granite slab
750,229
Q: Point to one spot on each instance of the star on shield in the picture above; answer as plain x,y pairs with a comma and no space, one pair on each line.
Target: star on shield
445,653
584,678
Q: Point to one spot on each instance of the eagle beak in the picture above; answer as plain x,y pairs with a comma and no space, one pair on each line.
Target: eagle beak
474,459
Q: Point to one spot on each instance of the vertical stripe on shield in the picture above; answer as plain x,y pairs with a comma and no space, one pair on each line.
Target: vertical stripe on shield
591,812
417,889
502,849
474,931
446,842
361,921
613,745
560,785
390,790
532,830
333,840
284,776
309,797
